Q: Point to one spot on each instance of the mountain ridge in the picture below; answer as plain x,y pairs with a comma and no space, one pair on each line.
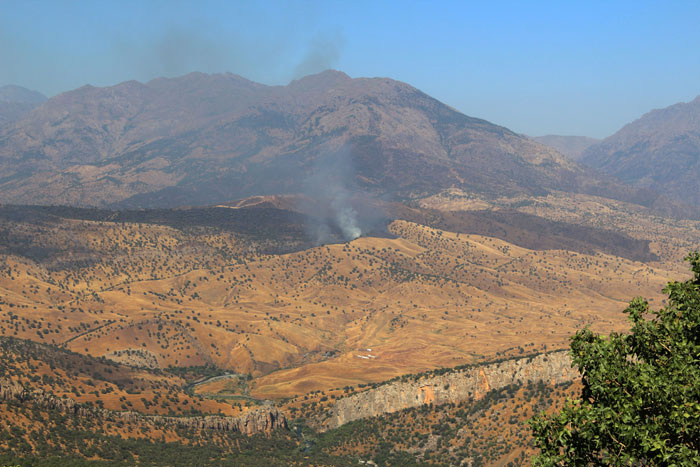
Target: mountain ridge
203,139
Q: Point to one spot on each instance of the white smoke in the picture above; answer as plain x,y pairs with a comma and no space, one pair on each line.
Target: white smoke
346,217
330,186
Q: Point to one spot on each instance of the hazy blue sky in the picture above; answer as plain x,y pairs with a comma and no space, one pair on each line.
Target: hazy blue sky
561,67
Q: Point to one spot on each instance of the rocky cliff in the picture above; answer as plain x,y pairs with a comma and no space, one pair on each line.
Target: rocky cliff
262,420
255,421
455,386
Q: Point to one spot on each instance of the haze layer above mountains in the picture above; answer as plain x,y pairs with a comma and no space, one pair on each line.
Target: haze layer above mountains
202,139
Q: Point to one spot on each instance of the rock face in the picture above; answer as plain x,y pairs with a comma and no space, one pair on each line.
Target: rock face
13,391
263,420
255,421
457,386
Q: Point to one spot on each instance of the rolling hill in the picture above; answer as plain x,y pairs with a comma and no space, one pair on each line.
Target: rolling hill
239,289
170,333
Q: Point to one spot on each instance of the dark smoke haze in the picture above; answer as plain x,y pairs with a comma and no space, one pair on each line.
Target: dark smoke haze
270,57
324,52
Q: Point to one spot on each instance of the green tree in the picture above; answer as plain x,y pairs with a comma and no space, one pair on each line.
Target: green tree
640,403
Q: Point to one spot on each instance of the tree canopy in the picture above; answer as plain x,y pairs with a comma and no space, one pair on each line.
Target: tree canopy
640,402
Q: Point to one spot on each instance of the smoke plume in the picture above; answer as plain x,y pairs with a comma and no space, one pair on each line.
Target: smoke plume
330,189
323,53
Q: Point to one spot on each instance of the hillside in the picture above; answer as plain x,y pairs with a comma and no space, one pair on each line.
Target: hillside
57,400
659,151
11,93
195,287
196,330
492,431
472,414
50,427
202,139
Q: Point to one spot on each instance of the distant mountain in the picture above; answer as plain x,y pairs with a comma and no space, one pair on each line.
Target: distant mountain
20,95
201,139
660,151
571,146
16,102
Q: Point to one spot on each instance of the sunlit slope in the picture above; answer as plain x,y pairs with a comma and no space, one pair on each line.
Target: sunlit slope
426,299
101,383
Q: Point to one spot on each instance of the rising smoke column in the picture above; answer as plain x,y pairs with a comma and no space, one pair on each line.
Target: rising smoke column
331,184
346,217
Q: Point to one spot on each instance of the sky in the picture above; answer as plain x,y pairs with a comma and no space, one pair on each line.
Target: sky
561,67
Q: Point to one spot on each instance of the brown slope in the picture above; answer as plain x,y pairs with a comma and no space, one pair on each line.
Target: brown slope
158,295
12,111
208,138
661,151
532,232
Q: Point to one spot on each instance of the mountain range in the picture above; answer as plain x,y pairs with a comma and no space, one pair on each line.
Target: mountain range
202,139
660,151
